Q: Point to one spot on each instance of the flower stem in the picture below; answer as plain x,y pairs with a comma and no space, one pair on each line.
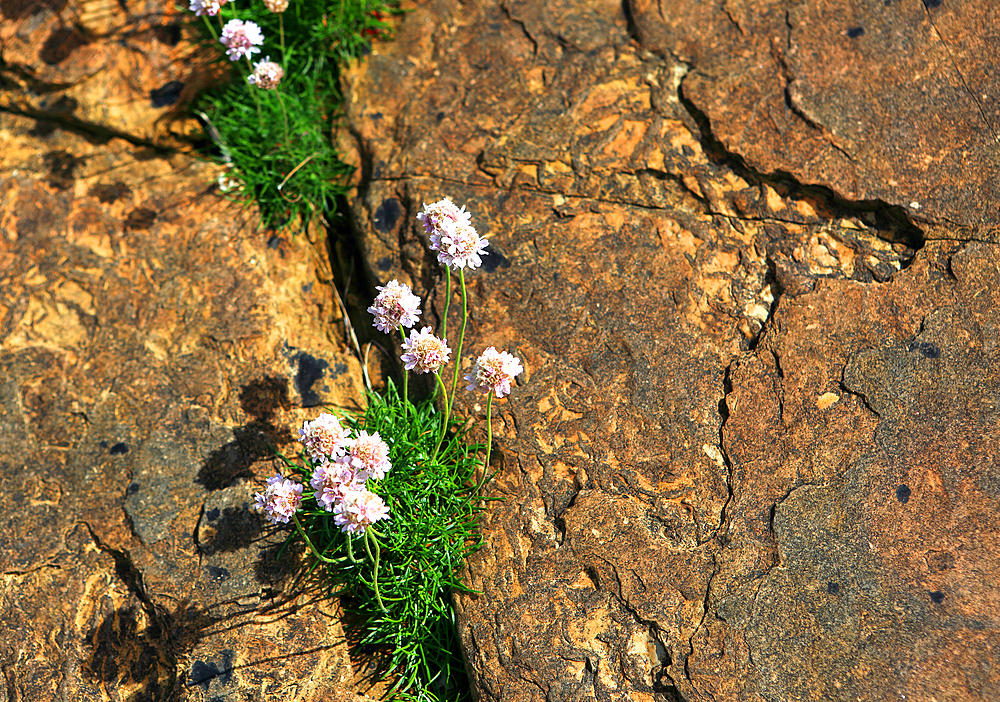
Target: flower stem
447,300
406,378
302,533
211,29
489,440
281,31
461,337
447,415
369,537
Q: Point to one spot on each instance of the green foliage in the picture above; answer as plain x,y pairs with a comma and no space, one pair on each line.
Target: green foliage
412,563
279,142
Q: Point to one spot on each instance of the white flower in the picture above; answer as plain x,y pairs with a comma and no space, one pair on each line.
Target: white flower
241,39
493,372
425,353
395,305
280,500
266,74
358,510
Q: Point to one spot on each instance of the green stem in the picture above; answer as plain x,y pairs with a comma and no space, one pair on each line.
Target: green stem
369,537
461,337
447,416
284,114
281,31
302,533
406,378
211,29
447,300
489,440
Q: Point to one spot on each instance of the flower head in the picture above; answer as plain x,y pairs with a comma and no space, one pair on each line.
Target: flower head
369,454
493,372
425,353
332,481
266,74
241,39
276,5
325,438
280,500
206,7
395,305
440,214
358,510
452,235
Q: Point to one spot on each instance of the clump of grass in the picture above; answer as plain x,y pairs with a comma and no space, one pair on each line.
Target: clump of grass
401,597
278,143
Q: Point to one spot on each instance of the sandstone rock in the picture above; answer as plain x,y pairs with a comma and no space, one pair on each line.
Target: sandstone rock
879,101
708,470
150,342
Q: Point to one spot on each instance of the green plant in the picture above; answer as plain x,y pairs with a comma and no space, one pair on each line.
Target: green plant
396,498
278,142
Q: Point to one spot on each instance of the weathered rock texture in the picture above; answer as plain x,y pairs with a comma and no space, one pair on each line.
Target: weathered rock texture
751,455
150,339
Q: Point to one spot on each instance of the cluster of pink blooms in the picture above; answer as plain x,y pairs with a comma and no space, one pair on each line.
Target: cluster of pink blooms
493,372
241,39
452,235
206,7
266,74
395,306
344,465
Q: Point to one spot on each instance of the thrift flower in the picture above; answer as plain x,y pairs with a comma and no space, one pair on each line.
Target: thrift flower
266,74
395,305
280,500
425,353
241,39
493,372
325,438
276,5
369,454
332,482
206,7
358,510
442,213
459,246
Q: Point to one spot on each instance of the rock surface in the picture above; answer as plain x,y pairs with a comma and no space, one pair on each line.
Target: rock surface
151,339
750,455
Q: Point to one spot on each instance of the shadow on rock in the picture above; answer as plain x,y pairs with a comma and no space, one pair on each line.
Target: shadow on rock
262,400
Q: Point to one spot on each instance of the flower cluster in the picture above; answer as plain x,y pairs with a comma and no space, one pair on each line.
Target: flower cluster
494,371
241,39
266,74
425,353
452,235
206,7
395,306
343,466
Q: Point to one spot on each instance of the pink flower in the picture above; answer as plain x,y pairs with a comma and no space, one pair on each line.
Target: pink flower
452,235
358,510
442,213
493,372
395,305
206,7
332,481
241,39
266,74
425,353
280,500
325,438
369,454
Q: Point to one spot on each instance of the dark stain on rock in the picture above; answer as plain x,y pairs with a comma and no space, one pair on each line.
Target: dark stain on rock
119,449
937,597
387,215
132,489
439,116
108,193
903,493
61,44
19,9
213,514
384,263
311,369
926,349
166,95
217,573
338,370
169,34
203,673
61,166
236,529
123,653
855,32
932,3
833,588
494,260
140,218
65,105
